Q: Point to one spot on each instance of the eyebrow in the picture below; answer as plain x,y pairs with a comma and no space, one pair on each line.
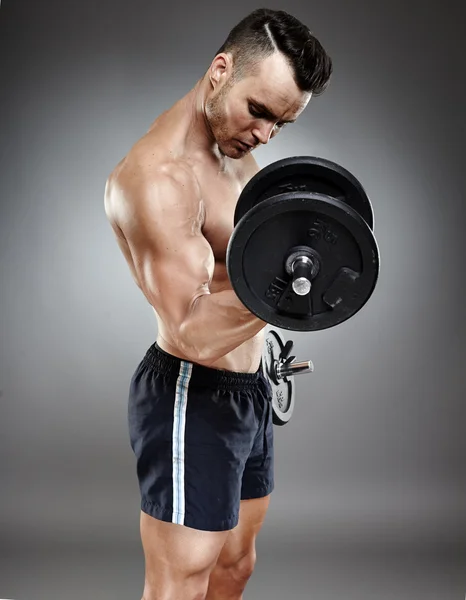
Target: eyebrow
267,112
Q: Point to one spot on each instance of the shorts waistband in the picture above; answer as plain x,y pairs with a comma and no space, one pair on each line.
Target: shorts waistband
170,365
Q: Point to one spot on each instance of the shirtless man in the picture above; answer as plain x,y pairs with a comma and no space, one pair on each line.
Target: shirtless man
199,410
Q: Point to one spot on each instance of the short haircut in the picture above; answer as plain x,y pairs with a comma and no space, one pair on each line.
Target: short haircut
264,32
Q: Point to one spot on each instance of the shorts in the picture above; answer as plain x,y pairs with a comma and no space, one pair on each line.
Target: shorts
203,440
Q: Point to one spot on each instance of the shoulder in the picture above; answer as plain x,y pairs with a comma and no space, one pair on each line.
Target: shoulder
151,180
155,164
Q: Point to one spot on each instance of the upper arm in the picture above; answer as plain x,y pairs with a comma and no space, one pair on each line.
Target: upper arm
161,219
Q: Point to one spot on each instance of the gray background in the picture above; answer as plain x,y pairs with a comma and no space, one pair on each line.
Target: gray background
370,497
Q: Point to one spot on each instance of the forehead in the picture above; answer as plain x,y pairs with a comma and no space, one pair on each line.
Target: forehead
272,83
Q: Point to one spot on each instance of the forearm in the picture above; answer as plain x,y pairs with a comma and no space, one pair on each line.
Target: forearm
217,324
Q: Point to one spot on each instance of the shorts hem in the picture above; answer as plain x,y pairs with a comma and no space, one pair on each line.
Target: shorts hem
166,514
259,492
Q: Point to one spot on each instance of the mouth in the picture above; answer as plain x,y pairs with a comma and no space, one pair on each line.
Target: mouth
244,146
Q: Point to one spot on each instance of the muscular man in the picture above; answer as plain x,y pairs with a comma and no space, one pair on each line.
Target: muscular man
199,407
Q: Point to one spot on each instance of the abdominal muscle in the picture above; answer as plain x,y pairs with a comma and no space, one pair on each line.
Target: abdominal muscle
243,359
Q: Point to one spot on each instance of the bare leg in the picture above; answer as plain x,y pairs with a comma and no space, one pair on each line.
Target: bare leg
178,559
236,561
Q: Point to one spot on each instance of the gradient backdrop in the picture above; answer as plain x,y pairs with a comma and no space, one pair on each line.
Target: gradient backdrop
370,500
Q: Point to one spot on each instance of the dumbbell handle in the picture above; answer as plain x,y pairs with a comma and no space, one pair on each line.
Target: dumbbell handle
287,369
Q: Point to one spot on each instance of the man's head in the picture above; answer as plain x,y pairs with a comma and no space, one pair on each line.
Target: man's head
261,78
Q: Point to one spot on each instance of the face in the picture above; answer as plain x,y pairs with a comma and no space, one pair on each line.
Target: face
256,108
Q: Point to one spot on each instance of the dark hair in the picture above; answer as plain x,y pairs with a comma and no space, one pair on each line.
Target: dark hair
265,31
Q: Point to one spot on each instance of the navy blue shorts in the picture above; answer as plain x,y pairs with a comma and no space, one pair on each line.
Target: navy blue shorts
203,440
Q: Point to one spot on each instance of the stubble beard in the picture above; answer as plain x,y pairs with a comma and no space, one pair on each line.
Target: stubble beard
216,117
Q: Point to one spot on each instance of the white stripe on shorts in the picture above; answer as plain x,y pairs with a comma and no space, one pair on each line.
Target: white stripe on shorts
179,429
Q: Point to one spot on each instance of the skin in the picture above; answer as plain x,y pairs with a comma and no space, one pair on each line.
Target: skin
171,203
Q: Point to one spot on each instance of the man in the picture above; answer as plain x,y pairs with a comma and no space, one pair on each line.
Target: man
199,408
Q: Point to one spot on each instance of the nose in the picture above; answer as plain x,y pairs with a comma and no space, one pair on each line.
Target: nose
263,132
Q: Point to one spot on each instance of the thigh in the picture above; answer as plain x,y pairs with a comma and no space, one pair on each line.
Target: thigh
240,542
174,553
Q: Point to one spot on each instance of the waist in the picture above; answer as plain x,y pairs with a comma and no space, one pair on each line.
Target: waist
172,366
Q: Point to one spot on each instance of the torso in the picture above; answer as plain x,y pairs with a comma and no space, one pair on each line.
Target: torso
220,190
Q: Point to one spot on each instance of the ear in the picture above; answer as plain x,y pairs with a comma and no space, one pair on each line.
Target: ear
221,69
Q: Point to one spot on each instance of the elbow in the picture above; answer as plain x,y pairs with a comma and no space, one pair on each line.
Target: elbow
195,353
187,349
194,348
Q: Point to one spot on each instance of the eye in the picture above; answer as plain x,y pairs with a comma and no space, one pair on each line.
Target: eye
254,112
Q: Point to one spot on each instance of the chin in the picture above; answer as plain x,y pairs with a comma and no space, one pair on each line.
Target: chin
230,151
236,154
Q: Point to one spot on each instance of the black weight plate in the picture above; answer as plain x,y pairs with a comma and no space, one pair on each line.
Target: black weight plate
346,246
283,390
307,174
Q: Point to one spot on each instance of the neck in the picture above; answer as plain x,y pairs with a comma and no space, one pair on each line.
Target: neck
200,133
